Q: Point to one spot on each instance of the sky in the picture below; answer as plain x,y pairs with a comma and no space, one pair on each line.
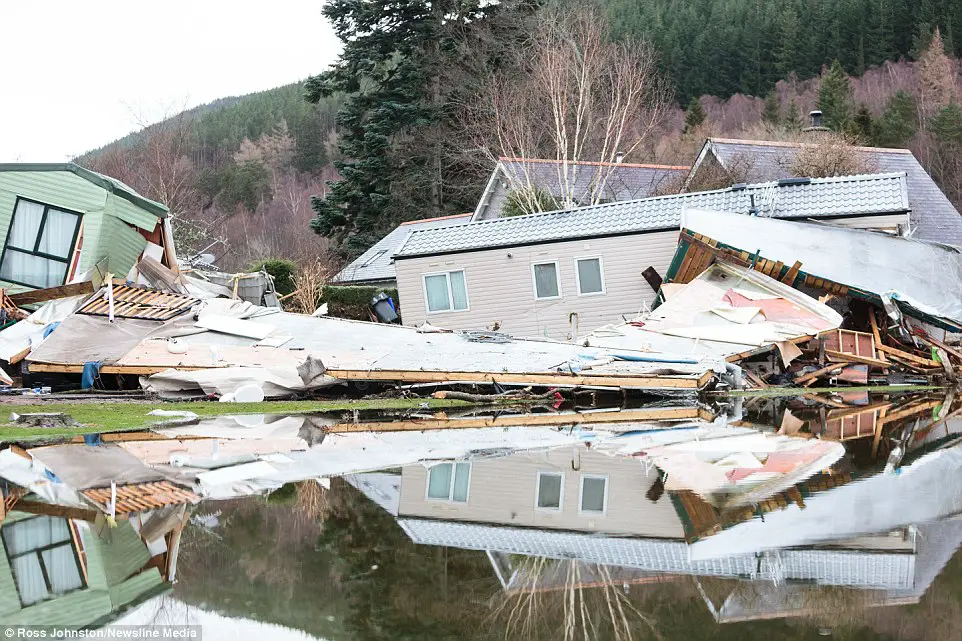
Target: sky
78,75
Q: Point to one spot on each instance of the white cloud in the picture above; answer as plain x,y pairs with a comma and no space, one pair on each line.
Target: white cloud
79,75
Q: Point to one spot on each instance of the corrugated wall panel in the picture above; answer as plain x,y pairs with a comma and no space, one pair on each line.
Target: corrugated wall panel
73,610
132,588
130,213
123,555
500,287
122,244
93,248
9,599
57,188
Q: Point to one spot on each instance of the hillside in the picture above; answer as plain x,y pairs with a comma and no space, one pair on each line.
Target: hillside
239,173
723,47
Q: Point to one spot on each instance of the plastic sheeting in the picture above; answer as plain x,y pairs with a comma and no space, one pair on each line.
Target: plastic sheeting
927,276
84,466
30,331
277,381
82,339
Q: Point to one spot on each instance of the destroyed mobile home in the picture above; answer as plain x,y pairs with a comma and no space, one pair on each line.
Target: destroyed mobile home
778,315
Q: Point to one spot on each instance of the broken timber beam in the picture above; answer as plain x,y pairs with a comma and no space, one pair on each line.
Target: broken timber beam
526,378
651,414
817,373
51,293
855,358
57,511
134,370
905,356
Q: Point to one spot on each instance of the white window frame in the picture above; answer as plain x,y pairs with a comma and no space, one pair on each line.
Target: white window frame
450,499
537,492
581,494
447,277
601,269
557,274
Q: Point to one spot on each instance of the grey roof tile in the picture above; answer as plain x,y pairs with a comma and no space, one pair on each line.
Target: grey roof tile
933,216
375,264
819,198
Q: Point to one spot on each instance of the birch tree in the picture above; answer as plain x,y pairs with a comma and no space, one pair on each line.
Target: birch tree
572,96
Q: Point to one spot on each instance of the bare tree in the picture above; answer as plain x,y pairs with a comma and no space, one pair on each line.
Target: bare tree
573,96
830,154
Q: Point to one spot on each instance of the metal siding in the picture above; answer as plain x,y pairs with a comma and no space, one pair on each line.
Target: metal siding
500,290
130,213
124,555
56,188
493,500
9,600
131,589
73,610
92,250
122,245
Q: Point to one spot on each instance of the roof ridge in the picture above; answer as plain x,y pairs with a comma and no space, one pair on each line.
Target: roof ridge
105,182
436,218
783,143
758,185
594,163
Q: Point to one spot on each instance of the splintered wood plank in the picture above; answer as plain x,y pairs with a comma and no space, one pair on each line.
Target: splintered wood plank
650,414
135,302
911,358
52,293
561,380
789,278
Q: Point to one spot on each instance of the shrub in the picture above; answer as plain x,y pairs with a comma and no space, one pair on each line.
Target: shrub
354,302
282,272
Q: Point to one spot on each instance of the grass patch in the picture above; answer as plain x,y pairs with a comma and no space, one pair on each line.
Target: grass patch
802,391
111,417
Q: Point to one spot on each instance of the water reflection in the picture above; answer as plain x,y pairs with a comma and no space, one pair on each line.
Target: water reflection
614,523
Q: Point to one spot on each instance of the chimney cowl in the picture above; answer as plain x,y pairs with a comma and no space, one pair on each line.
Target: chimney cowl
620,156
816,116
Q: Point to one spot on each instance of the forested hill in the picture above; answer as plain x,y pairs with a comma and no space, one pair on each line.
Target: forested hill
723,47
403,125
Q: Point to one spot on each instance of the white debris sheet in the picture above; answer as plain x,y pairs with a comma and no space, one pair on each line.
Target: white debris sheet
926,276
29,332
726,310
216,362
862,507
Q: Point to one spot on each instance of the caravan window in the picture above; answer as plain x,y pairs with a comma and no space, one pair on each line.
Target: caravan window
594,494
591,278
449,482
42,558
446,292
546,282
39,245
550,491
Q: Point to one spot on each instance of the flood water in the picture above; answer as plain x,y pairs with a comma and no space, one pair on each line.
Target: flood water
752,518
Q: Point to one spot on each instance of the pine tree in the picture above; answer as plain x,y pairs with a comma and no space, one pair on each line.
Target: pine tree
772,110
695,116
403,64
898,123
861,126
946,124
793,120
835,98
